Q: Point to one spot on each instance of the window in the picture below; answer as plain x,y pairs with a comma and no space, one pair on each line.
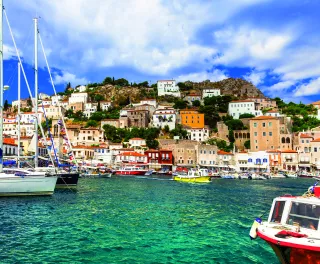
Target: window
270,134
305,215
265,160
255,124
264,134
315,149
270,124
263,124
307,141
249,160
277,211
255,134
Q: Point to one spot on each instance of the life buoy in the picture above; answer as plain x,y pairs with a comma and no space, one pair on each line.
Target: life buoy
253,231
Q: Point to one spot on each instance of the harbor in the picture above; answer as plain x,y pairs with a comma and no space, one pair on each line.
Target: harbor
142,220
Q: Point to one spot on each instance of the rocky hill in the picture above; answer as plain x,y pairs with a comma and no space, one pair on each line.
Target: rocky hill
232,86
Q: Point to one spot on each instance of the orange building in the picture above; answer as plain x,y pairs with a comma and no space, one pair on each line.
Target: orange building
192,118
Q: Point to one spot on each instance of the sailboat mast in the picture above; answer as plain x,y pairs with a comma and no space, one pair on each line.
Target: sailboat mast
36,89
19,114
1,88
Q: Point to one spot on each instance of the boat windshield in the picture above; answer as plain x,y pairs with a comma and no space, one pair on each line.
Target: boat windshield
277,211
304,215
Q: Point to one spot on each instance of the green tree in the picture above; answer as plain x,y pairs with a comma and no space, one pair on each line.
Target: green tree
69,113
196,103
107,80
180,104
179,131
247,144
92,123
246,115
6,105
152,143
166,129
121,82
29,102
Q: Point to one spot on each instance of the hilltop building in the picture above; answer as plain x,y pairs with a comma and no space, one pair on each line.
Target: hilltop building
168,87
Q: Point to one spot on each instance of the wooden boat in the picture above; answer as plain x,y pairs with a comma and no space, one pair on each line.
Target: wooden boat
193,175
292,228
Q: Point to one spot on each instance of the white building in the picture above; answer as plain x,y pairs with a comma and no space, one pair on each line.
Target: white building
131,157
45,102
252,161
164,117
78,98
198,134
274,113
168,87
104,154
29,117
43,96
237,108
137,142
105,105
55,99
81,88
90,108
50,111
209,92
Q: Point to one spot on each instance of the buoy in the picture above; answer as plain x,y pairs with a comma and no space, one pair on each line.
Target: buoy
253,231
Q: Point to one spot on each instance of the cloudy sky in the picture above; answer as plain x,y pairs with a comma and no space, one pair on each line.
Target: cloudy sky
274,44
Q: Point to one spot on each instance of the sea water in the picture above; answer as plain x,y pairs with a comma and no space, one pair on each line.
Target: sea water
141,220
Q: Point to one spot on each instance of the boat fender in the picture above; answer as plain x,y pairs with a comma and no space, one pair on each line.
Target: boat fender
311,189
253,231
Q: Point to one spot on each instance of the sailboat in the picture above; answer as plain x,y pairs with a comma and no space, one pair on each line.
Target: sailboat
14,183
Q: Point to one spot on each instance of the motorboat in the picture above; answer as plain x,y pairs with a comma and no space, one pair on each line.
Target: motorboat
16,184
131,170
277,175
193,175
305,174
292,227
229,175
291,175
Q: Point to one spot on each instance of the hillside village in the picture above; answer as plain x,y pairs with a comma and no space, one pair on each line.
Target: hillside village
220,125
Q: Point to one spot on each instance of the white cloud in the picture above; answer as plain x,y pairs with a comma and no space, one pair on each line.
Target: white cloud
255,77
280,86
154,37
250,46
311,88
9,52
66,77
214,76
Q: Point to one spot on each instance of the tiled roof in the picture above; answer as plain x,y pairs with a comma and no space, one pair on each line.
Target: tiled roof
132,153
264,118
288,151
316,140
242,101
305,136
222,152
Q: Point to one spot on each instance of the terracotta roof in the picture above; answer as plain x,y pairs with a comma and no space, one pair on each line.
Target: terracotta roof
316,140
316,103
193,94
132,153
8,141
242,101
288,151
305,136
264,118
273,151
273,111
83,147
222,152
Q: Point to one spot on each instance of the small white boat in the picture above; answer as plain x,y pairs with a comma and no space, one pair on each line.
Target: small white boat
228,175
291,175
277,176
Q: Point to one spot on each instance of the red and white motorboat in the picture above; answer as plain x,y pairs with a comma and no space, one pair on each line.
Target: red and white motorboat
292,229
131,170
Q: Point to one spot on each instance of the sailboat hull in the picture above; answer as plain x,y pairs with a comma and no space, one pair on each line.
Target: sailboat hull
30,185
67,180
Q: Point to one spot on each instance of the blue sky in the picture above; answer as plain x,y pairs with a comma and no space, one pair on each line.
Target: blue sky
274,44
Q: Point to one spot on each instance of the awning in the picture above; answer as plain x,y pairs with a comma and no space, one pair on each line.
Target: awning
304,165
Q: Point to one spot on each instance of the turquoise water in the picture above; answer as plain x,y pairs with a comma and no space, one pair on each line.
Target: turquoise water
136,220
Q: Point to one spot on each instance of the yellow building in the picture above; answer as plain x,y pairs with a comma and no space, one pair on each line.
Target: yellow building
192,118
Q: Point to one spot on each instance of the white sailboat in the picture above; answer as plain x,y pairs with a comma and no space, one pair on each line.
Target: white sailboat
15,183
